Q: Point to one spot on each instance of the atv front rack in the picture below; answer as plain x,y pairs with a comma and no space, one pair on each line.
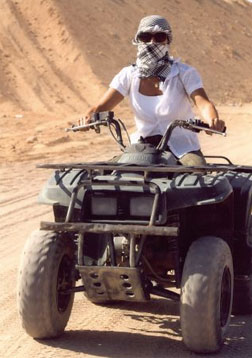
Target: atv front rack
104,166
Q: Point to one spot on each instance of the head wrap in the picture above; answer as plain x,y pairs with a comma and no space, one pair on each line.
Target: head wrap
153,58
154,23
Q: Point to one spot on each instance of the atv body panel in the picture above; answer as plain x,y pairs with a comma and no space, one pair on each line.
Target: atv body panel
182,191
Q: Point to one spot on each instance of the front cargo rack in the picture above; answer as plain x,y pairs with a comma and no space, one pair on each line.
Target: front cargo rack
103,166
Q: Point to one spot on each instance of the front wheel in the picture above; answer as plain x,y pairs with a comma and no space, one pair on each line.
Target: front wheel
46,270
206,294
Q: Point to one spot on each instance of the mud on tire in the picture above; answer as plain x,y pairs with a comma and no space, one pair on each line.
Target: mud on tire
46,267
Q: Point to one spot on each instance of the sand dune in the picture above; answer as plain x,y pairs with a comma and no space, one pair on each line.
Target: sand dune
56,55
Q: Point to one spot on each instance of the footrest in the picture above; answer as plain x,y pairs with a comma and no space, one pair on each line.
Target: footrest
113,283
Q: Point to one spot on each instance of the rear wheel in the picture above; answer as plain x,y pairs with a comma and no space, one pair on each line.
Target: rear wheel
45,271
242,303
206,294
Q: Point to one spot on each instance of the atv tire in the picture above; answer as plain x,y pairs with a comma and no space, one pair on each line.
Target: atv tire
242,302
206,294
46,267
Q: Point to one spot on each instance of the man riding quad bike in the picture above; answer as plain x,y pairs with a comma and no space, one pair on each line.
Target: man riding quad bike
140,227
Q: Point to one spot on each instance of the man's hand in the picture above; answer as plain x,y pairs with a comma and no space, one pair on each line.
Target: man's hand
217,124
86,119
207,110
110,99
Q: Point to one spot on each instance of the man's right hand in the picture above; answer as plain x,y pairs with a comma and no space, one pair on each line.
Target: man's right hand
110,99
87,119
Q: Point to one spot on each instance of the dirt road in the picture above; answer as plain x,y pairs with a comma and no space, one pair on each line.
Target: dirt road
129,330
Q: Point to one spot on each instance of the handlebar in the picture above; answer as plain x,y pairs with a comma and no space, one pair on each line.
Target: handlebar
197,125
107,119
98,119
104,119
92,125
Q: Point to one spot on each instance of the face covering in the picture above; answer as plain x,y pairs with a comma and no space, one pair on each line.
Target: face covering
153,60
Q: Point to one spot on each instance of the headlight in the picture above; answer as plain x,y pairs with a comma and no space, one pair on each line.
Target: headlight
105,206
141,206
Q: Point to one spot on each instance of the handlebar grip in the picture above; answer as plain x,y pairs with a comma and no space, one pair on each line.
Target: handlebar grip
200,123
197,125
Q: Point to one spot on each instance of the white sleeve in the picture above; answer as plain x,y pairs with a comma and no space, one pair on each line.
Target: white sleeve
121,81
191,79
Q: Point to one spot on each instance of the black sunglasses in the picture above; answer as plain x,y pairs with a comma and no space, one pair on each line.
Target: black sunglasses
157,36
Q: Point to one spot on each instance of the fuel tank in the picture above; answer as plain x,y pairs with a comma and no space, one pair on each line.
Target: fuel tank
146,154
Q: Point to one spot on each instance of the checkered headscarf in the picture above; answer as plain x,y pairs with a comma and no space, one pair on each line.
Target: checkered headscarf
153,58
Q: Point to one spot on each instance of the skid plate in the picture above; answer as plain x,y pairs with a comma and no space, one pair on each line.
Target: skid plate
113,283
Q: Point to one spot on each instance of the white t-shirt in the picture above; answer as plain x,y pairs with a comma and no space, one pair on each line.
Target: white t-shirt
154,113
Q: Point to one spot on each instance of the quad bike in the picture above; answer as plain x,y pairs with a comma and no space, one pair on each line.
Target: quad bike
138,227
